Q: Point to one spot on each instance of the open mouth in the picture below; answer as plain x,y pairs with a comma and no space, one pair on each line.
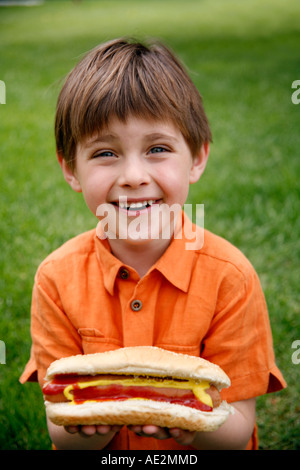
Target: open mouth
136,205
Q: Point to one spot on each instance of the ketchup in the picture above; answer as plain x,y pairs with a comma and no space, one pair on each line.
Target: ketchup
119,392
59,383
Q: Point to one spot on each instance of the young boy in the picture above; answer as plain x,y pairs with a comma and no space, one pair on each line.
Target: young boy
132,135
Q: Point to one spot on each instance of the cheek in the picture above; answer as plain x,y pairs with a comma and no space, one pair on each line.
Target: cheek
176,184
94,193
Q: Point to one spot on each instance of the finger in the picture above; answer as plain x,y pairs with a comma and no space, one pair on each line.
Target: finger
182,436
72,429
176,433
116,428
87,430
137,429
150,430
156,431
104,429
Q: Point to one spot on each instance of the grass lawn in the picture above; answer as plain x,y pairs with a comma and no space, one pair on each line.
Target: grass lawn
243,56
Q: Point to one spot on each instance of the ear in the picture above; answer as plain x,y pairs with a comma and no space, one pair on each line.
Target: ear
199,163
69,174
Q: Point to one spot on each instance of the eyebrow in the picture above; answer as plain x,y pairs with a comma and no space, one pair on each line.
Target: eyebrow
102,138
159,135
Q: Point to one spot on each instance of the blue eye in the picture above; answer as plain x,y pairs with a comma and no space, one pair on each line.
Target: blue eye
106,153
158,150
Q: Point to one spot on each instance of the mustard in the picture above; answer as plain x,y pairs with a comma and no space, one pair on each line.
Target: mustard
197,388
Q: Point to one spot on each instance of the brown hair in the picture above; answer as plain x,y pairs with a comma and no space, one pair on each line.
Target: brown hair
122,78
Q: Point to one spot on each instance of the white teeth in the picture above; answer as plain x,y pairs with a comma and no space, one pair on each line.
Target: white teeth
136,205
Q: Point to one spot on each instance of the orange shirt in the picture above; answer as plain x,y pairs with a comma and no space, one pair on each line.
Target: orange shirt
205,302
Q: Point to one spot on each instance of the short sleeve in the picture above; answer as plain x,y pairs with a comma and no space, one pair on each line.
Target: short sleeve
53,335
240,340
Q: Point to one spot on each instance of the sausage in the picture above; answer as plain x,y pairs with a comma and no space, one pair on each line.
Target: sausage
212,391
214,394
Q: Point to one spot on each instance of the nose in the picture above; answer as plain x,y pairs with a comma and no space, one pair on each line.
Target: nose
134,172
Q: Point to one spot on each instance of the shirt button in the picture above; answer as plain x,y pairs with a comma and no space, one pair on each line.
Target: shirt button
136,305
124,273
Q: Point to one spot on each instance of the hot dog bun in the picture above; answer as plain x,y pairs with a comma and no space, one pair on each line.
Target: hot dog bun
139,361
144,360
142,412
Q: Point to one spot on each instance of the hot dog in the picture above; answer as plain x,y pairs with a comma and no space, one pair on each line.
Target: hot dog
136,385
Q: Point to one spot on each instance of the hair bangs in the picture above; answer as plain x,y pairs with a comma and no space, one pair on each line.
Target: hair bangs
121,79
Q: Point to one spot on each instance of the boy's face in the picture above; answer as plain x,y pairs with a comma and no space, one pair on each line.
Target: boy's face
147,164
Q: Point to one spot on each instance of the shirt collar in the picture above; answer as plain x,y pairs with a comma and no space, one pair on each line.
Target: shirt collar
175,264
109,263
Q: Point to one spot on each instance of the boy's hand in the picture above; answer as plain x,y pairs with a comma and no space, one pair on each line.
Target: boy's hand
90,430
181,436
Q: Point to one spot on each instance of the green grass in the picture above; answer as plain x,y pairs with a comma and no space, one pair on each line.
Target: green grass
243,56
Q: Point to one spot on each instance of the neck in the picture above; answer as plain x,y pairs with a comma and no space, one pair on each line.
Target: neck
140,256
